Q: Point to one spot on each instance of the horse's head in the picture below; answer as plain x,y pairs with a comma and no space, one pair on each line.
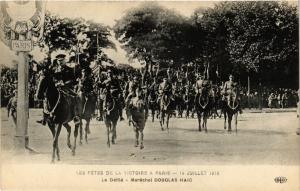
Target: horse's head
45,81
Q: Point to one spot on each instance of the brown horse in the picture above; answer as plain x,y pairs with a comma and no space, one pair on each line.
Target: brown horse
152,104
167,109
137,109
88,109
231,109
60,111
111,116
203,107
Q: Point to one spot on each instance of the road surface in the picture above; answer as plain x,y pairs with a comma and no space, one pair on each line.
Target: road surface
262,138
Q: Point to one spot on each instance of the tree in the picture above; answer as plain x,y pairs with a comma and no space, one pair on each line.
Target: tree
153,35
257,37
85,38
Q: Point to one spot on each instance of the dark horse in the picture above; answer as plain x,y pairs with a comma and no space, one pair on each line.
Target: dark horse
167,108
60,111
88,109
231,109
153,104
111,116
203,107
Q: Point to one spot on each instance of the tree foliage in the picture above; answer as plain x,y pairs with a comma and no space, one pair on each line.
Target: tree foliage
85,38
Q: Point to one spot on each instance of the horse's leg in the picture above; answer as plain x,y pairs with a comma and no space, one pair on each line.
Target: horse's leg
57,147
142,138
205,118
161,120
153,114
53,131
80,131
87,129
114,133
168,117
225,117
108,131
55,143
136,137
235,120
75,138
187,112
199,120
229,121
68,127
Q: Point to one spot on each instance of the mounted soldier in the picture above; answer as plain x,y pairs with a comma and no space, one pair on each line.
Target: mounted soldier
86,83
230,90
65,79
164,89
202,87
130,88
113,90
130,92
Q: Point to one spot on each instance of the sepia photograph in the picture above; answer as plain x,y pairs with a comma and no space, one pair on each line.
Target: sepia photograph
132,95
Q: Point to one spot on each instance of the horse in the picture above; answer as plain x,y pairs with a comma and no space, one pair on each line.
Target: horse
178,94
88,109
231,109
153,104
60,111
203,106
188,99
111,116
167,108
137,109
215,102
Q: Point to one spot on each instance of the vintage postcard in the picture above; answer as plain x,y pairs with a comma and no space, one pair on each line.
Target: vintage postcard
143,95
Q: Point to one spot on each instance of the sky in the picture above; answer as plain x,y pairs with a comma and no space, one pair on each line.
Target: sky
105,12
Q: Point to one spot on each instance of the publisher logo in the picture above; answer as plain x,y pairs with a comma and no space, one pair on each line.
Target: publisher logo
280,179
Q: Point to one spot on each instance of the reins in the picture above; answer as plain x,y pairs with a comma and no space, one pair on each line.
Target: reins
54,108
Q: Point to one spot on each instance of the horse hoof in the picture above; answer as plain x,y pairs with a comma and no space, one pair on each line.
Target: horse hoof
113,142
58,159
70,146
136,145
52,161
73,153
162,129
142,146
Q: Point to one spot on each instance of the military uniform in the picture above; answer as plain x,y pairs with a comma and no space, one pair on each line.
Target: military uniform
131,88
230,91
113,89
164,89
202,86
65,80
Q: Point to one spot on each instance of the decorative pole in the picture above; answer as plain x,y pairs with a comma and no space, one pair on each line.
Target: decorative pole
21,40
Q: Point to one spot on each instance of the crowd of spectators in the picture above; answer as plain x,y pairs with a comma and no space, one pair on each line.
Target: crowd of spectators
269,98
9,82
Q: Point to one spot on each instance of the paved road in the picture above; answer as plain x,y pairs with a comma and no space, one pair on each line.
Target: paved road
262,138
